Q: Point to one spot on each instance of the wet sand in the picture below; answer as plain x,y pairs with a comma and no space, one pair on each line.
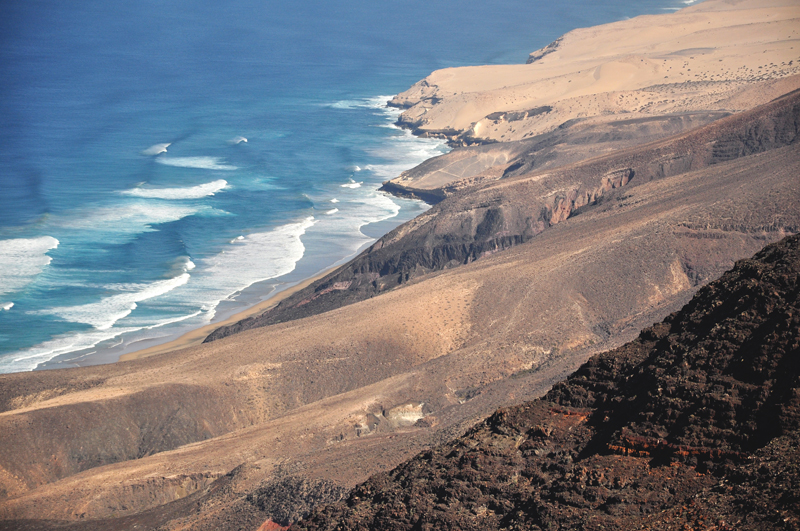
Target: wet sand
196,336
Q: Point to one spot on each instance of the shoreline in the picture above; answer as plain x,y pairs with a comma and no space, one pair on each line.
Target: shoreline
197,336
429,196
374,231
252,300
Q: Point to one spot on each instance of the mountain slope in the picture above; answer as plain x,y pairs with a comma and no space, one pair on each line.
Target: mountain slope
696,423
493,216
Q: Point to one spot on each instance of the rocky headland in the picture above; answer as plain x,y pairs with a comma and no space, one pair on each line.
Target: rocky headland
561,240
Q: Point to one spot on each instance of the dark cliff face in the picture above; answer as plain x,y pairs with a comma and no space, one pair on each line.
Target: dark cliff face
489,218
696,423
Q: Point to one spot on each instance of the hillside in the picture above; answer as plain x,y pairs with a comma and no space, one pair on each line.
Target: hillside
492,216
695,423
328,400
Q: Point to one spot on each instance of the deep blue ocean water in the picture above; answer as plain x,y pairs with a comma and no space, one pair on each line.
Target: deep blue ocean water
132,207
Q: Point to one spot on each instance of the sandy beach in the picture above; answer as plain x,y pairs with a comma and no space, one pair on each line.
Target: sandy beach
196,337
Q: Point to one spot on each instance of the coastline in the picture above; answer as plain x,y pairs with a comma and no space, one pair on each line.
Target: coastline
506,119
263,294
196,336
413,183
112,353
506,289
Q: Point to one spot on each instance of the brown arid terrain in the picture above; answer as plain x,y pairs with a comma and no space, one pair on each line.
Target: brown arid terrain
693,425
583,234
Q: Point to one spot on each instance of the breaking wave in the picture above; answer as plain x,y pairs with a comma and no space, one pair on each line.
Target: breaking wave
102,315
352,184
191,192
156,149
203,163
21,260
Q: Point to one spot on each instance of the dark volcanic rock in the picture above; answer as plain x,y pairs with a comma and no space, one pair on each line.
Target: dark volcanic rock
289,499
693,425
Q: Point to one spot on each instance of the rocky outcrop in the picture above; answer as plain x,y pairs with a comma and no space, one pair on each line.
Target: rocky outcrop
288,499
488,218
695,423
574,141
538,54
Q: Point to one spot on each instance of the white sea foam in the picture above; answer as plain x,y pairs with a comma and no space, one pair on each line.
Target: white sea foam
259,256
332,211
381,102
237,140
365,205
378,207
203,163
155,149
6,305
118,223
22,259
190,192
346,104
376,102
173,321
404,151
342,233
103,314
29,359
352,184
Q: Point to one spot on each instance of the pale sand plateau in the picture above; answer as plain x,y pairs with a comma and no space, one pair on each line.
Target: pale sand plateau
713,57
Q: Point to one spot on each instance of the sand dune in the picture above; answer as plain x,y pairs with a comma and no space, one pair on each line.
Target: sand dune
702,57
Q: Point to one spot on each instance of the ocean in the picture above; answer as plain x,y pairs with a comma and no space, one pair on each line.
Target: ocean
164,165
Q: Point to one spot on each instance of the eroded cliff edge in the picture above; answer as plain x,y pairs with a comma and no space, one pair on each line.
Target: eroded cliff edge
596,94
488,218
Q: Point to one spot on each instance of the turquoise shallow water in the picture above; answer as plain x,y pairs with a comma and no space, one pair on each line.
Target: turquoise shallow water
157,158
